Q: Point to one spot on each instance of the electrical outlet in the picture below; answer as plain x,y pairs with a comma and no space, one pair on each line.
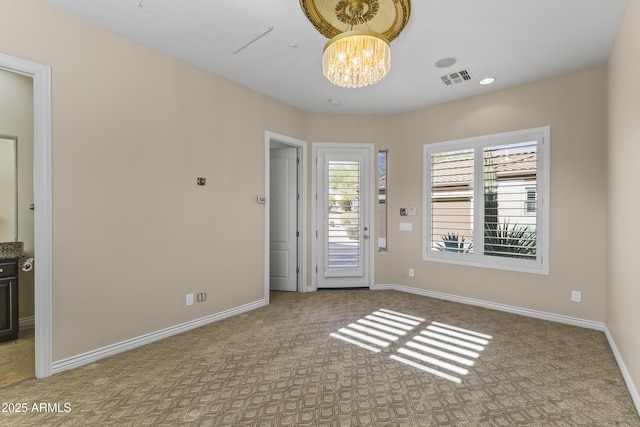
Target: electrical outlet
576,296
412,273
201,297
189,299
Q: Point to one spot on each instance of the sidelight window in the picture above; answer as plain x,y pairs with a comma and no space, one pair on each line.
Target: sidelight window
382,200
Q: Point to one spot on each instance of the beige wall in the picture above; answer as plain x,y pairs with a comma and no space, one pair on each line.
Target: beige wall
574,106
132,130
623,289
16,119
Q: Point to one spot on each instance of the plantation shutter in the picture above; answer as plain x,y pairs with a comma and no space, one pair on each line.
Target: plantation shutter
510,204
451,183
343,230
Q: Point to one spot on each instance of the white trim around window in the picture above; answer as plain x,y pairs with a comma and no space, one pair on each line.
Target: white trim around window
473,201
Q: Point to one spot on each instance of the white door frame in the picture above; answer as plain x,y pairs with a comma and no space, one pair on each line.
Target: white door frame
302,212
315,256
41,76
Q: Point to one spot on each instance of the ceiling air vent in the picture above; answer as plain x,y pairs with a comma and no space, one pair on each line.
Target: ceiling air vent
456,77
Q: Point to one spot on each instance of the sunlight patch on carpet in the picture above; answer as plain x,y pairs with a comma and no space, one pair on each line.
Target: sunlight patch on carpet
440,349
444,350
378,329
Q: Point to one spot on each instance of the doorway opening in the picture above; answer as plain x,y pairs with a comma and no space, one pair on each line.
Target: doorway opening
285,215
41,76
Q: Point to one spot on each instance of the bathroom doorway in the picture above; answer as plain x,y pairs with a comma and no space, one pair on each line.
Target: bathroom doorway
40,76
17,223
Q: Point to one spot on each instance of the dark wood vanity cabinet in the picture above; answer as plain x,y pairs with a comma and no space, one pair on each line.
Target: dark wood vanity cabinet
8,299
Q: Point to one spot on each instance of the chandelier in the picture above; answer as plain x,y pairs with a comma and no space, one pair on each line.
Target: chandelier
358,53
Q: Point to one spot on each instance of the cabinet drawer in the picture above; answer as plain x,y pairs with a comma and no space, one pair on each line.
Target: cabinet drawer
8,269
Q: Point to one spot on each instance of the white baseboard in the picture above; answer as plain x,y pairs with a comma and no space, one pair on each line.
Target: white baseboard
110,350
500,307
27,322
623,369
635,397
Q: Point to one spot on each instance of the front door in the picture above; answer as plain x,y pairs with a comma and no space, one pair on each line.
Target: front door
343,215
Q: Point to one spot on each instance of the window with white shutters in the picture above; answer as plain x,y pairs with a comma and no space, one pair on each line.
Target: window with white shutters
485,201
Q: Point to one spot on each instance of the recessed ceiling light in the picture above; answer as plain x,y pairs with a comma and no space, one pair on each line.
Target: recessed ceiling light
293,45
487,80
334,101
446,62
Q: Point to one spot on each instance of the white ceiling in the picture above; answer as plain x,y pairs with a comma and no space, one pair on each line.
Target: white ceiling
515,41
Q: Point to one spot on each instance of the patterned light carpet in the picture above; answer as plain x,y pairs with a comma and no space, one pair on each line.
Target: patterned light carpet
433,363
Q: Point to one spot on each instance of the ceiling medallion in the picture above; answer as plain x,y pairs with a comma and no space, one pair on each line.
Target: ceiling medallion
360,31
356,12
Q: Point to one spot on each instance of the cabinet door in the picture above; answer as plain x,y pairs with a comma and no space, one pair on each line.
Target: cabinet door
8,301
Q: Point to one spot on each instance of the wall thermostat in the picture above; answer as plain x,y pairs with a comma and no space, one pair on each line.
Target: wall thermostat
403,212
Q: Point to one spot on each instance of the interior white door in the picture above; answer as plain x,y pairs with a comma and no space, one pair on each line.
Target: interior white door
343,216
283,218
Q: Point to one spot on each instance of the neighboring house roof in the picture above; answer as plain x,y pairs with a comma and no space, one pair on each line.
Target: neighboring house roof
460,171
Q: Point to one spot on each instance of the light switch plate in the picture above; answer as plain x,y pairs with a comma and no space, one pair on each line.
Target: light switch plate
406,226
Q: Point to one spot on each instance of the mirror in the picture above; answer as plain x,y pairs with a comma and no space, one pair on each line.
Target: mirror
8,188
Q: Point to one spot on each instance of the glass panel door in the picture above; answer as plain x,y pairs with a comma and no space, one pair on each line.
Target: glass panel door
343,185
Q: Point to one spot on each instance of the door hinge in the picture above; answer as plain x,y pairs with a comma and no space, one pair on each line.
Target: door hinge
297,269
316,269
298,160
297,234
